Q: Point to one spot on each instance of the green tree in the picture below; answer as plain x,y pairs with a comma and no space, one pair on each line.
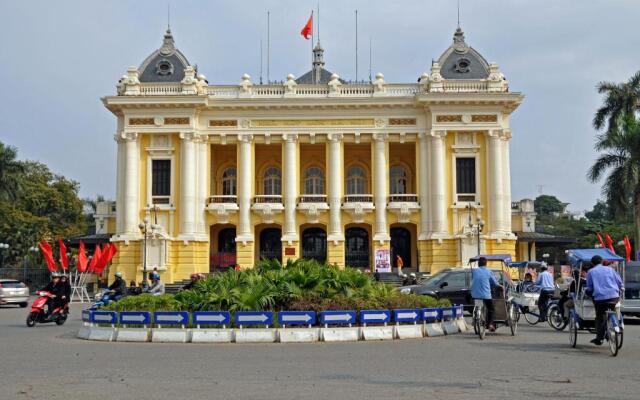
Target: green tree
548,205
620,99
10,169
619,161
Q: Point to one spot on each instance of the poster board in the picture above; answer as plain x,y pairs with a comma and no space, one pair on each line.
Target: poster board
383,260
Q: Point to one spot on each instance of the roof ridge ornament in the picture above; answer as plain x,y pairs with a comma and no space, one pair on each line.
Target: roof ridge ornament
168,44
459,45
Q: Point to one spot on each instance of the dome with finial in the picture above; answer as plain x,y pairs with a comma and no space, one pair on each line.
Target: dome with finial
166,64
318,74
461,61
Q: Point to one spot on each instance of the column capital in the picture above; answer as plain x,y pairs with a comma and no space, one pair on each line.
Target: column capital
438,134
290,137
423,135
245,137
334,137
188,135
506,134
495,133
380,136
126,136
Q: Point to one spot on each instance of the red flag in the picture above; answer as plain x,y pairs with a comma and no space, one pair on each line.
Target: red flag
627,247
82,258
47,253
64,260
307,30
97,253
108,251
600,240
609,243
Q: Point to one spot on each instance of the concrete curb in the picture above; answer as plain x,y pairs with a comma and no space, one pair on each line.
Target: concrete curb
259,335
132,335
451,327
299,335
340,334
408,331
377,332
433,329
169,335
212,335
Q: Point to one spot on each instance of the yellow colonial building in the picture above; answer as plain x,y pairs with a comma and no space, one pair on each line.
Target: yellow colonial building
315,167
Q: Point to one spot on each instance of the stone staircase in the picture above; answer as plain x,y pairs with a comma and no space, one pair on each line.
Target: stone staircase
392,278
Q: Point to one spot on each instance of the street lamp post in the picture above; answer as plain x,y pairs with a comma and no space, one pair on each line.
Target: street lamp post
3,247
477,227
146,228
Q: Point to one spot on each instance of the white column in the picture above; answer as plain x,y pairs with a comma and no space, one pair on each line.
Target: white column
188,160
506,177
438,185
381,232
245,175
335,177
423,167
131,196
290,187
496,185
120,168
201,204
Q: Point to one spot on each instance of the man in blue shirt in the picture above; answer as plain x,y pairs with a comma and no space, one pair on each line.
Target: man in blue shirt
547,288
605,285
482,280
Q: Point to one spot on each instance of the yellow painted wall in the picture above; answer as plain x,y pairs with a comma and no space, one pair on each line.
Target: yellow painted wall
335,254
436,255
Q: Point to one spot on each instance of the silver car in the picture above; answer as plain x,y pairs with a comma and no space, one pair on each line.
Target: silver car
13,292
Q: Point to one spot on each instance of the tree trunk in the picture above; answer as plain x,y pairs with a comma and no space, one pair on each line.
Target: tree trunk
636,225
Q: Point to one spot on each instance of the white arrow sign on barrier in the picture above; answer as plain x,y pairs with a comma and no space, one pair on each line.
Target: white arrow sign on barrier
133,318
170,318
295,318
374,316
430,314
337,317
411,314
99,317
214,318
252,318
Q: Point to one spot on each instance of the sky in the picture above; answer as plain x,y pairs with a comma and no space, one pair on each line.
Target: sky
58,58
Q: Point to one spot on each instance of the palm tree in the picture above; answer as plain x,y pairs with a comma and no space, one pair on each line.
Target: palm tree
10,169
620,158
620,99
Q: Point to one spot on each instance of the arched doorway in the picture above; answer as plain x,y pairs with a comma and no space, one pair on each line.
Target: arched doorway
314,244
400,245
223,256
357,248
227,240
271,244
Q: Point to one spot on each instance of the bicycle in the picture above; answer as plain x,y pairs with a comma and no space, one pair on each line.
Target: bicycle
615,332
479,319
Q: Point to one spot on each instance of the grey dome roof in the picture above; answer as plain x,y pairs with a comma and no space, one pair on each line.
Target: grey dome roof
166,64
461,61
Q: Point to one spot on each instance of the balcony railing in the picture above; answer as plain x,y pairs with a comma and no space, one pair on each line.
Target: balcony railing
403,198
313,198
224,199
358,198
267,198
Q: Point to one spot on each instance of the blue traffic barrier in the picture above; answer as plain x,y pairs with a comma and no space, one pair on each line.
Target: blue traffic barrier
337,317
253,318
104,317
459,311
448,313
171,317
211,317
135,317
86,315
431,314
297,318
407,315
375,316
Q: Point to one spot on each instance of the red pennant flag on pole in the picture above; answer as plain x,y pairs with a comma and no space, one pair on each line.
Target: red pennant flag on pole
47,253
64,260
108,252
627,247
97,254
82,258
600,240
609,243
307,30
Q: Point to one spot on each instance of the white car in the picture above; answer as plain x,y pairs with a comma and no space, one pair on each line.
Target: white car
13,292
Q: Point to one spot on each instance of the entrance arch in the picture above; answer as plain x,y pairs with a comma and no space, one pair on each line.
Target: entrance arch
314,244
227,240
356,247
271,244
400,245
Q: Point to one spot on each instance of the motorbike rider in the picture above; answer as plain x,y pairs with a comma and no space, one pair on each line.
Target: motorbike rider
65,290
157,286
547,288
194,279
54,288
118,288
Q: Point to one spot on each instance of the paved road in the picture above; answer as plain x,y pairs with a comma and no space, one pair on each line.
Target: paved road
48,362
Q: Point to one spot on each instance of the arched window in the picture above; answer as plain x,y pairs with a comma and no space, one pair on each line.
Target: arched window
398,177
314,181
229,182
272,181
356,180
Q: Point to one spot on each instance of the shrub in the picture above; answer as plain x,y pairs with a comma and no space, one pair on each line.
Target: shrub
146,302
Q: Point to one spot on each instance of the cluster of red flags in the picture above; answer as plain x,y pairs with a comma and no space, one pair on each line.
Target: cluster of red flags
99,261
609,244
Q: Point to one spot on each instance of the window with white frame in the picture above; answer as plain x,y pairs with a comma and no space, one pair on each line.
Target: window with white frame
314,181
399,180
229,181
272,181
356,180
161,181
466,178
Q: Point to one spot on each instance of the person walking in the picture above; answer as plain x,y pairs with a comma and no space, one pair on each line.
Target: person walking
399,264
605,285
482,280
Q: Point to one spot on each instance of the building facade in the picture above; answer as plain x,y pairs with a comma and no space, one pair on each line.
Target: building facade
315,167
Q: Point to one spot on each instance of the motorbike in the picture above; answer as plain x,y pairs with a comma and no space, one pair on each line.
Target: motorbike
555,316
39,315
103,298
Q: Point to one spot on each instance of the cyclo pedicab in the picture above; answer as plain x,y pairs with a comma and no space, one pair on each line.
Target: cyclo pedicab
504,308
526,298
583,315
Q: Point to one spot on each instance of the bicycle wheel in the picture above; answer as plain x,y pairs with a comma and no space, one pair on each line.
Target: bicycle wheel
555,318
573,331
532,315
516,312
513,323
613,335
475,321
482,329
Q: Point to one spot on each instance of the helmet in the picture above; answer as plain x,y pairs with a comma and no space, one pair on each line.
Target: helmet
55,275
118,274
412,274
155,276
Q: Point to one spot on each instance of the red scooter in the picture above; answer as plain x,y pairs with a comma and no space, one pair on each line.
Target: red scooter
39,315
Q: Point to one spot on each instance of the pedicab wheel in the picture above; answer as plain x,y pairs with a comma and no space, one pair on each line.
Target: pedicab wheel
530,317
516,313
555,319
513,323
573,332
31,319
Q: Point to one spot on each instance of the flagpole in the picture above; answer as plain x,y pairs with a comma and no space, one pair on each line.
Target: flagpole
356,46
312,28
268,49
